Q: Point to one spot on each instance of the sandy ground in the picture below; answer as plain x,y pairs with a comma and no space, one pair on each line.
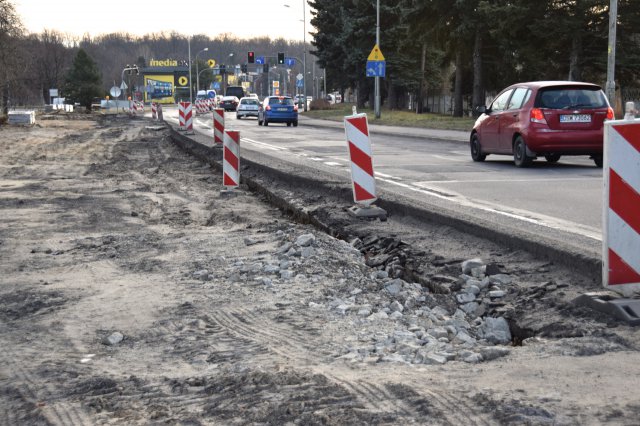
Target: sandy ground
108,230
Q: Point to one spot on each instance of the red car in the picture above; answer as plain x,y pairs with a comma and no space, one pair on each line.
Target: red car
542,119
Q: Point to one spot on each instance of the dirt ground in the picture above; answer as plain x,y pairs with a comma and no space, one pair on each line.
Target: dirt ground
133,292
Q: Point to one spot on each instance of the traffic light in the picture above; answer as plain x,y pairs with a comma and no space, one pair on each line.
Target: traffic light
265,67
280,58
243,68
251,57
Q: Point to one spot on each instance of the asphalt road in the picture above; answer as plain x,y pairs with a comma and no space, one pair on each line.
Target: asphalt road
561,201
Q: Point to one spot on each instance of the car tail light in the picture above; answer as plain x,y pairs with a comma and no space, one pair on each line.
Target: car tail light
610,114
537,116
295,108
268,107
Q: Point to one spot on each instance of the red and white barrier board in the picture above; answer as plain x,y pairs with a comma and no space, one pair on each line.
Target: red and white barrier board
188,117
231,159
181,115
362,178
218,125
154,110
621,230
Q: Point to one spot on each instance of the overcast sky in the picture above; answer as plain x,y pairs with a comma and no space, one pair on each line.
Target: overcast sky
243,18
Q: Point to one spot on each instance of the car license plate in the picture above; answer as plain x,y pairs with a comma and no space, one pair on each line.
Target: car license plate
283,109
575,118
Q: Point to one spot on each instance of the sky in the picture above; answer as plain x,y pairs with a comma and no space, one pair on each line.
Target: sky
243,18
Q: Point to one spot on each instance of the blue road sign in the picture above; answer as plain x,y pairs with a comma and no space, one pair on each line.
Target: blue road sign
290,62
216,85
260,60
376,68
299,83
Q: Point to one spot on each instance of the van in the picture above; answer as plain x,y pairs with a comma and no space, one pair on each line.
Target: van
206,94
237,91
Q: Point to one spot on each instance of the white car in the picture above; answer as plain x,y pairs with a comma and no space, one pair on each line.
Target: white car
248,107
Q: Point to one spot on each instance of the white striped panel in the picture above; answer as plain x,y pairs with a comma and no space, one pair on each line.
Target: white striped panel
364,179
624,240
358,138
624,159
231,172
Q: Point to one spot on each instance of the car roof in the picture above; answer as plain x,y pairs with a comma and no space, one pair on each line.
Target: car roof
552,83
285,97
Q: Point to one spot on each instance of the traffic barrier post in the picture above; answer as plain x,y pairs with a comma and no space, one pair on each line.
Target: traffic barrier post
188,118
231,160
181,113
218,126
621,224
362,174
154,111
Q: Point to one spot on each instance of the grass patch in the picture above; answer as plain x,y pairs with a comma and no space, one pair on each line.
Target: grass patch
397,118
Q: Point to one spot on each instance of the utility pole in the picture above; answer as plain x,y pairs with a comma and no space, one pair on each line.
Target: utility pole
611,54
190,85
377,87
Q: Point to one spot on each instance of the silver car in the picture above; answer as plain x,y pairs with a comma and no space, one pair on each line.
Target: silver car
248,107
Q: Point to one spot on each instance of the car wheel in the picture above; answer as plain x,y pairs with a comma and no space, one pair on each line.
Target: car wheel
476,151
552,158
288,124
598,160
238,116
295,123
520,157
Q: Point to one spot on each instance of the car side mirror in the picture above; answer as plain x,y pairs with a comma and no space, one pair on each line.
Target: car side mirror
481,109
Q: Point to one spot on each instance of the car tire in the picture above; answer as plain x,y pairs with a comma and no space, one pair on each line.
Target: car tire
238,117
598,160
520,157
288,124
295,123
476,150
552,158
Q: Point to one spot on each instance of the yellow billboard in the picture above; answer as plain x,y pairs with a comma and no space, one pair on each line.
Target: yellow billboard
160,89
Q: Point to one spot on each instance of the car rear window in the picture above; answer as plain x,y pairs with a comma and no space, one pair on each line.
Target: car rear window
570,97
249,102
280,101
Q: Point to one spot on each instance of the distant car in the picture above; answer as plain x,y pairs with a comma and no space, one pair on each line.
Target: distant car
237,91
253,95
248,107
542,119
229,103
278,109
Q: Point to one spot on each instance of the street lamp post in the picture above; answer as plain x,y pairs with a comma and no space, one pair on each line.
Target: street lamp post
197,74
377,83
304,52
611,56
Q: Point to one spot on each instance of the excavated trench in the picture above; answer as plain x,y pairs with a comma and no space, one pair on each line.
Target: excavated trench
538,305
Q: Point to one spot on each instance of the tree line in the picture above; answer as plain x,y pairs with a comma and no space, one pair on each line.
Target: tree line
472,46
31,64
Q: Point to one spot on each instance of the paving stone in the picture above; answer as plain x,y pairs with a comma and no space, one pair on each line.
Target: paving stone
468,265
501,279
465,297
305,240
496,330
113,339
497,294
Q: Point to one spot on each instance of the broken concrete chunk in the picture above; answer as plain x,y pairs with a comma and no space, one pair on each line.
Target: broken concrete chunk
305,240
469,265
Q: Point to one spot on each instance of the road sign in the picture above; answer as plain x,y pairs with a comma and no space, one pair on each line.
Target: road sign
260,60
212,63
376,54
123,86
216,85
183,80
115,91
376,68
299,76
276,83
290,62
299,83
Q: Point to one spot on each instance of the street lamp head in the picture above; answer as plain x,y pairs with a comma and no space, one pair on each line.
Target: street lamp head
205,49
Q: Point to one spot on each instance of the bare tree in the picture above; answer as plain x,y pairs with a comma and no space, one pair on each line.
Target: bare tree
11,31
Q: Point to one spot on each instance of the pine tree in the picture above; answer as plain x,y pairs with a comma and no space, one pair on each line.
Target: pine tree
83,81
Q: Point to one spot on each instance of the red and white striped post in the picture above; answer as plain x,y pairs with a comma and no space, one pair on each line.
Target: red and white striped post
181,112
231,160
154,111
218,126
362,176
188,118
621,242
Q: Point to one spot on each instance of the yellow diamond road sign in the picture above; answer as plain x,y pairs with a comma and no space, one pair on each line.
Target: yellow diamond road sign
376,54
212,63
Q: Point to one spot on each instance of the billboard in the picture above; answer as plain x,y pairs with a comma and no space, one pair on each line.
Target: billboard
161,89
